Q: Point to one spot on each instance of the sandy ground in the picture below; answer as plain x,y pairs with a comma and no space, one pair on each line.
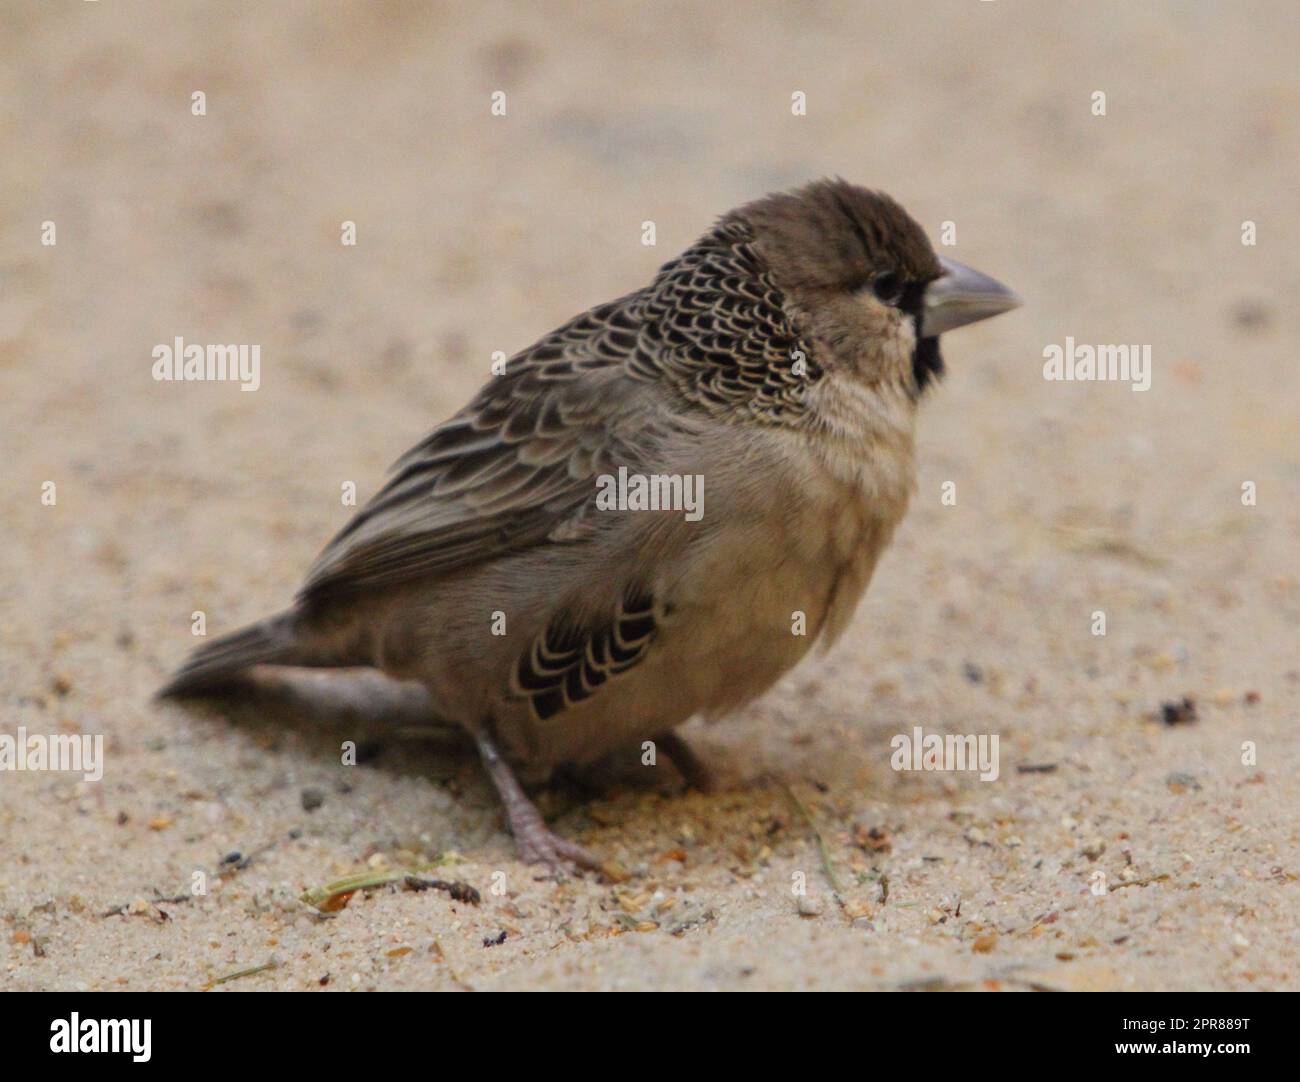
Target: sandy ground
478,233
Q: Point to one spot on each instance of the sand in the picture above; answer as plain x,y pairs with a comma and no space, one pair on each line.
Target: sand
1137,855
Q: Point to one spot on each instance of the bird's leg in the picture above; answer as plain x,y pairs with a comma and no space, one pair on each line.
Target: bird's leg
689,765
537,843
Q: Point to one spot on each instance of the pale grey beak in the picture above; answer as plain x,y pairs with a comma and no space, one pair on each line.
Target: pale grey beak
963,295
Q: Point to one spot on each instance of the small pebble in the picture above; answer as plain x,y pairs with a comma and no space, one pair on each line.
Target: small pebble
809,906
312,798
1252,315
1180,783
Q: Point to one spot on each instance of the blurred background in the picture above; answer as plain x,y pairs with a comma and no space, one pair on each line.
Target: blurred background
479,232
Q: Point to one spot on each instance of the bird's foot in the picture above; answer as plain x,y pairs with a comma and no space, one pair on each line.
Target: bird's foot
690,766
537,843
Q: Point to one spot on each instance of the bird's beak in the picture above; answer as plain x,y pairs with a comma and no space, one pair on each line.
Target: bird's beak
962,295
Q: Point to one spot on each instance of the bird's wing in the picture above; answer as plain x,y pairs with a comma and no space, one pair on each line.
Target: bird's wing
515,468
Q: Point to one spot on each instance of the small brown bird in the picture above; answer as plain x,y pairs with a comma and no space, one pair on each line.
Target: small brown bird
544,562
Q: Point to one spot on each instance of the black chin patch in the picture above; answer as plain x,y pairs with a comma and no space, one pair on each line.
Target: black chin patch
927,362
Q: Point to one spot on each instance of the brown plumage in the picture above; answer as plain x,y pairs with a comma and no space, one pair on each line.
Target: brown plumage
780,360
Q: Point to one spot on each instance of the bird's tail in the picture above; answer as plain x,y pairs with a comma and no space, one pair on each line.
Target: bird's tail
273,640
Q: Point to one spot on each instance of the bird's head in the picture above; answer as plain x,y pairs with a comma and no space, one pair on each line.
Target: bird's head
861,283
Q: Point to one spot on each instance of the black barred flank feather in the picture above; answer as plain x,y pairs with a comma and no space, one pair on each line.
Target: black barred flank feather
567,664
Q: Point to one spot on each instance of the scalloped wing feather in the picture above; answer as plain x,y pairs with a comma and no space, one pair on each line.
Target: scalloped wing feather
516,467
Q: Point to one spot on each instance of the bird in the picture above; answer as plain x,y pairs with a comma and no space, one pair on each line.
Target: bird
773,372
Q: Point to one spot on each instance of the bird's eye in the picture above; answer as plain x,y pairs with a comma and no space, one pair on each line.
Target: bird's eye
887,286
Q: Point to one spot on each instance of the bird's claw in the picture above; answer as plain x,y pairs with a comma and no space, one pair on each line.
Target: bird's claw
540,845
